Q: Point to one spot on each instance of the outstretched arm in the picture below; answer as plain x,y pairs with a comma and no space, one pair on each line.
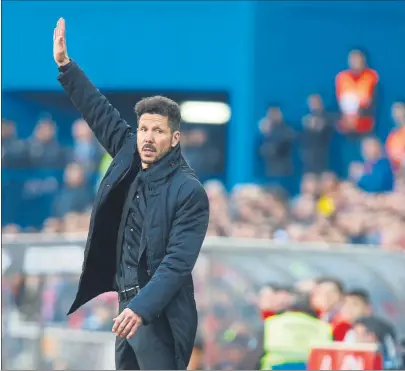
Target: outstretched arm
105,121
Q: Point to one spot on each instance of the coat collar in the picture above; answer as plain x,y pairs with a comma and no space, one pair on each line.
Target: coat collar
164,167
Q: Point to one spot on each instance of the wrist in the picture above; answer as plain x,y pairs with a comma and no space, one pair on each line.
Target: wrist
64,63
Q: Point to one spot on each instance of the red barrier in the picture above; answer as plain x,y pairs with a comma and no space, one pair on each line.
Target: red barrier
343,356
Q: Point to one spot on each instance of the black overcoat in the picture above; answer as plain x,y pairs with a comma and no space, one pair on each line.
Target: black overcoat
174,228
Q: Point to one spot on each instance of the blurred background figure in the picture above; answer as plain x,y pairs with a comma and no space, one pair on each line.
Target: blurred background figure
86,151
372,330
44,149
356,304
75,195
307,204
356,93
395,144
13,150
276,148
375,174
318,127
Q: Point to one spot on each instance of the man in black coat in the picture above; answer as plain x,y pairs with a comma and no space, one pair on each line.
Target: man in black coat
148,223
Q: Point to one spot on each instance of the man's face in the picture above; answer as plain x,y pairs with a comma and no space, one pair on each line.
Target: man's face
357,61
266,298
155,138
275,115
362,335
7,130
354,307
315,103
326,296
309,185
371,149
82,132
74,175
45,131
398,113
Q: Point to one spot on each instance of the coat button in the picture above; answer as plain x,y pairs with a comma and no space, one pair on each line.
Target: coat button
107,185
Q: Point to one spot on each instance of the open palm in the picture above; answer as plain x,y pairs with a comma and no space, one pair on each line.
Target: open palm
59,43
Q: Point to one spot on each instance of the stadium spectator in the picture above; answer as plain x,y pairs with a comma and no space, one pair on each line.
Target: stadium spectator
86,151
199,153
13,150
274,298
395,144
356,96
327,299
375,174
316,137
276,147
75,196
44,150
288,337
356,304
374,330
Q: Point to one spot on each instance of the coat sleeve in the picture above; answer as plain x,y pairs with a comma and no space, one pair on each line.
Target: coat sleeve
185,241
105,121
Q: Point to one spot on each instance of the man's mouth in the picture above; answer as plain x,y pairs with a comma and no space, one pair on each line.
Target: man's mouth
148,149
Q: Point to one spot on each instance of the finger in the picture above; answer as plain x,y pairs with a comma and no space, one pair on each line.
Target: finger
122,326
134,328
128,328
117,322
62,26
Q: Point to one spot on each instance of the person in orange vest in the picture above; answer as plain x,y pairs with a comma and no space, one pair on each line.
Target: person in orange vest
355,92
395,144
356,96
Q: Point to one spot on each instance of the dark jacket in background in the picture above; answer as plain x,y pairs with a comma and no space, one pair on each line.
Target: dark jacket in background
14,153
315,141
174,226
378,177
73,199
49,155
276,150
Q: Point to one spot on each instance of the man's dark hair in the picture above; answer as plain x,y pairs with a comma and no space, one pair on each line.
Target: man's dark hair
361,294
160,106
334,281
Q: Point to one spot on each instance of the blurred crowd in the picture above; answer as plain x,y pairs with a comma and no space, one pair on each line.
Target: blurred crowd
327,207
326,210
234,338
233,311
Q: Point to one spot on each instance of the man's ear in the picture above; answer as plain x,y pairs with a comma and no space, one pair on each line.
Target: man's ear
175,139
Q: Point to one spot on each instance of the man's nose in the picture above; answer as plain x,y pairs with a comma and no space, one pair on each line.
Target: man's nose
149,137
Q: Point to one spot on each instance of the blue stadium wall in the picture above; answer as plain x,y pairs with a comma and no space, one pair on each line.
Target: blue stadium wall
258,51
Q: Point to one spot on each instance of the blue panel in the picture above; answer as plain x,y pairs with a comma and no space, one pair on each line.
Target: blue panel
129,44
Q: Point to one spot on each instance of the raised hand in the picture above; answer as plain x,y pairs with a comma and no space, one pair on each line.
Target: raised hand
59,43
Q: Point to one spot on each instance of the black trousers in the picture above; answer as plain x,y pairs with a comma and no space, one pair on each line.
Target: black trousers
151,348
